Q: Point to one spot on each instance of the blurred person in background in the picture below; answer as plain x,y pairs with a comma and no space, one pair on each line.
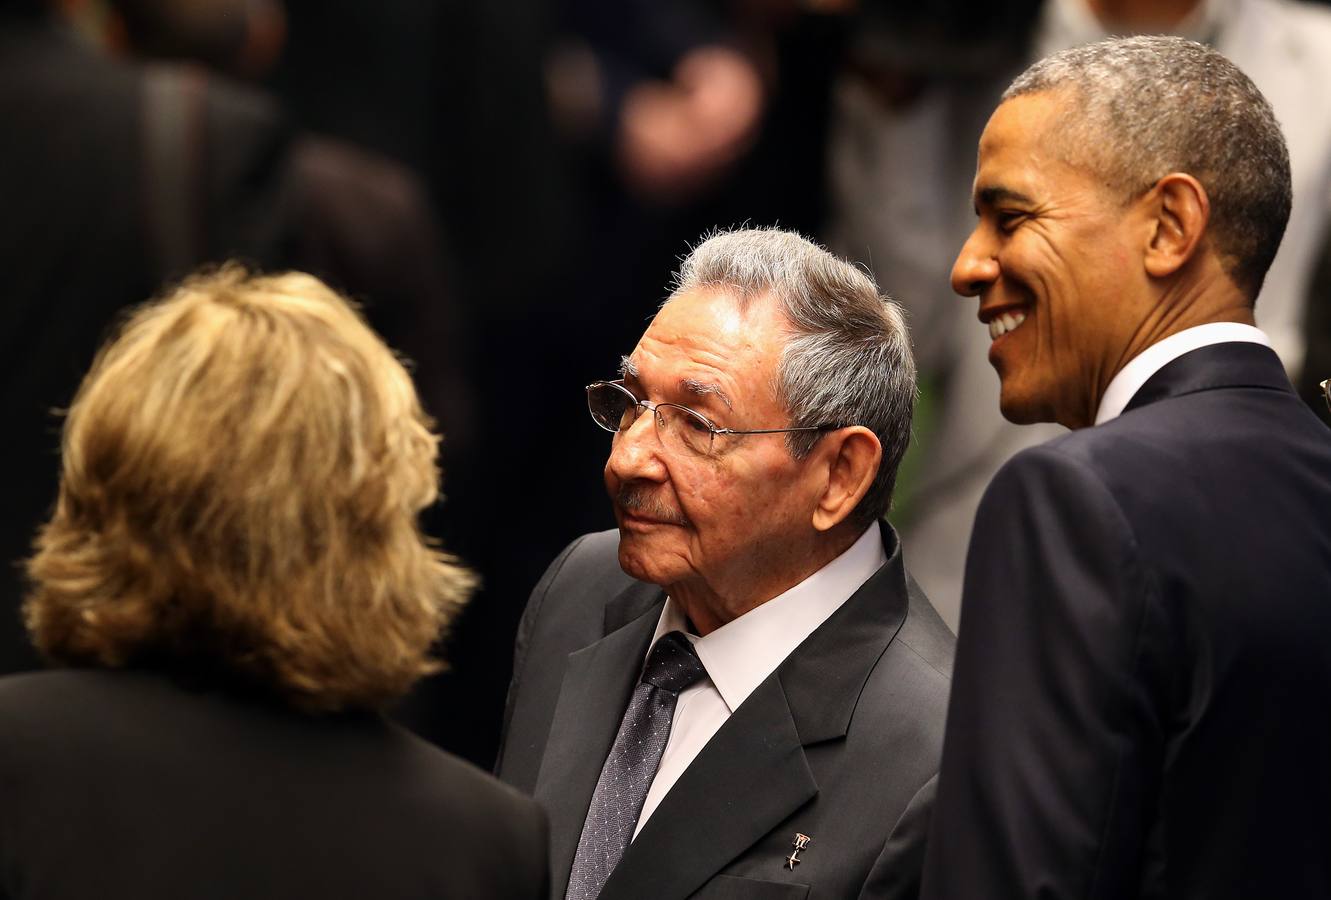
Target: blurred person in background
352,215
908,111
122,173
94,223
236,581
239,38
664,87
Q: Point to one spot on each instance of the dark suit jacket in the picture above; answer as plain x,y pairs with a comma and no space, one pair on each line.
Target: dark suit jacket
1142,702
124,784
840,743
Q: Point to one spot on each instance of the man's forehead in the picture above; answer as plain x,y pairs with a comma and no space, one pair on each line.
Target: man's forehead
706,342
1021,148
1027,122
705,307
1056,123
714,319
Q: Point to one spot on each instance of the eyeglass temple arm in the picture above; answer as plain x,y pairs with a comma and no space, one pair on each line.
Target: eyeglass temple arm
777,430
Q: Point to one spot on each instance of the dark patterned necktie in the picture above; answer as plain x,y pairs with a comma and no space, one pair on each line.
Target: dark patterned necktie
617,801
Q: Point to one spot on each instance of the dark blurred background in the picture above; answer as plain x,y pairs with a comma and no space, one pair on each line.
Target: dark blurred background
506,189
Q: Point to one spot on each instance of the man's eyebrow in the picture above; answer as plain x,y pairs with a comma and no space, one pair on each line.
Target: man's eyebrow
629,369
992,196
705,388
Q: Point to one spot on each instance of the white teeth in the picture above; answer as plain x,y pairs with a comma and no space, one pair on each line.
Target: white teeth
1001,325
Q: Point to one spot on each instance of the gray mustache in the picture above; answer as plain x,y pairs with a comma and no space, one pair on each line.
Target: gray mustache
643,501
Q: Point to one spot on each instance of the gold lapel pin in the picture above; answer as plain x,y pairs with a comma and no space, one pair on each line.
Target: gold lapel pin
801,841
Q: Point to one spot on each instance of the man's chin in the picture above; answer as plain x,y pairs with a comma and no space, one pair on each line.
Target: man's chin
1033,410
1019,415
1021,409
634,558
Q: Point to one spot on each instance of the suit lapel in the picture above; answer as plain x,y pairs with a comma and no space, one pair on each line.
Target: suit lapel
595,691
824,676
753,773
1233,364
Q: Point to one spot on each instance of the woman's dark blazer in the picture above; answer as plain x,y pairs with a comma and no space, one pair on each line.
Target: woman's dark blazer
129,784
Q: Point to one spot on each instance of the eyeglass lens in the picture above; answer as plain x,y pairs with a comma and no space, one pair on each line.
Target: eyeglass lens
614,409
611,406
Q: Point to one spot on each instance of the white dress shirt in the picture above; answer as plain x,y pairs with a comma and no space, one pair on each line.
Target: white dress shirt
1129,380
742,653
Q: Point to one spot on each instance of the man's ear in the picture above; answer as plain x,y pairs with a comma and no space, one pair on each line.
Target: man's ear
850,456
1180,211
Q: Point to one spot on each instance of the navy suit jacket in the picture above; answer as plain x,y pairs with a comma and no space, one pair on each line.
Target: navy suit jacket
1142,698
840,743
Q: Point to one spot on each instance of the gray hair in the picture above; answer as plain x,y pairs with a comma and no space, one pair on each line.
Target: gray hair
1154,105
848,359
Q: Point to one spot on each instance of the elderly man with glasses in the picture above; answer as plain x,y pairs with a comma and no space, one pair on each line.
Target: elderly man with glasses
740,692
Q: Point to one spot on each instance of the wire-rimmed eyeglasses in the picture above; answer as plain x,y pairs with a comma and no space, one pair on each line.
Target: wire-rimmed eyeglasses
615,408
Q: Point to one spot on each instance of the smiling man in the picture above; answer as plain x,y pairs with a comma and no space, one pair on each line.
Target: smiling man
739,692
1142,683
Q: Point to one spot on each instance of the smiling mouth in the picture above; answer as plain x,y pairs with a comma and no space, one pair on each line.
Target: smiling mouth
1001,324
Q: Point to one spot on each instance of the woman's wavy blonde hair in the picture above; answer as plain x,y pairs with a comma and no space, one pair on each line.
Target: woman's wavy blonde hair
242,471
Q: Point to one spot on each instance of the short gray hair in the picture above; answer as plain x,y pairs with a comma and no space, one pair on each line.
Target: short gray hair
848,359
1155,105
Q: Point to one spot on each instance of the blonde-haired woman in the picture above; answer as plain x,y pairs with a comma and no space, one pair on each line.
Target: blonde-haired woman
235,579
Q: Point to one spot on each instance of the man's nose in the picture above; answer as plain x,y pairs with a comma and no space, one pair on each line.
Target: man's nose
636,451
976,266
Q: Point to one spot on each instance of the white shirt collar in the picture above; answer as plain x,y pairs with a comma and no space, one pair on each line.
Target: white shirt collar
1141,367
743,652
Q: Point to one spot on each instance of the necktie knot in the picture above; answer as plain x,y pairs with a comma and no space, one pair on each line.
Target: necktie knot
673,664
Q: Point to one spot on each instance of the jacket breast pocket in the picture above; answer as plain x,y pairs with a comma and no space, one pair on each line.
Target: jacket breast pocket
730,887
